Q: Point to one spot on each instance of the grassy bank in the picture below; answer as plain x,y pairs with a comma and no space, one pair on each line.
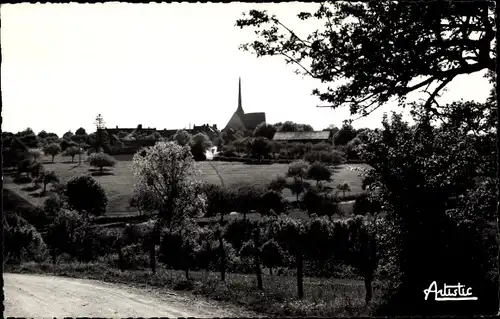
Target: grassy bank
322,297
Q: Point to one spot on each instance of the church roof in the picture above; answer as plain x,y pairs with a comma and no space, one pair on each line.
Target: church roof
251,120
290,136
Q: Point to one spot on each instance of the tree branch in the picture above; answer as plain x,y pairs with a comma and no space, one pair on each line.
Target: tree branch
296,62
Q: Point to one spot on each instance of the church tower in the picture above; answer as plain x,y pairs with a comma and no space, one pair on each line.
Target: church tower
239,110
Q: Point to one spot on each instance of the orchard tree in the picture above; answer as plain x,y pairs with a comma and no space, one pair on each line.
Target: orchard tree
52,150
366,44
278,184
319,172
50,177
68,135
72,151
165,172
264,130
101,160
344,187
81,131
272,255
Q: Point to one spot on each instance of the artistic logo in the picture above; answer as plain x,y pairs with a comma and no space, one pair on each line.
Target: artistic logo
449,292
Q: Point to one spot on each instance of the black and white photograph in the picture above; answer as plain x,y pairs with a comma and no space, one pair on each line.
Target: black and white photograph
239,159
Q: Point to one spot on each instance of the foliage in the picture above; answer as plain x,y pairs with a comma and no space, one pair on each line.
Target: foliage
290,126
237,232
101,160
72,151
50,177
80,131
166,173
344,135
86,195
264,130
61,233
278,184
219,200
366,204
199,145
247,198
22,242
272,254
424,178
259,147
52,150
53,204
333,157
344,187
298,170
271,202
182,137
297,187
319,172
351,45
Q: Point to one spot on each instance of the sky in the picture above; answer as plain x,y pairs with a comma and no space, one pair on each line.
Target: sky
160,65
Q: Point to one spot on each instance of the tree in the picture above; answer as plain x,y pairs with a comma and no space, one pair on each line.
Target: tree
271,202
166,172
259,147
73,151
363,253
264,130
319,172
37,170
182,137
86,196
290,126
297,187
43,134
344,187
68,135
439,201
49,178
451,38
344,135
81,131
272,255
277,184
101,160
52,150
199,145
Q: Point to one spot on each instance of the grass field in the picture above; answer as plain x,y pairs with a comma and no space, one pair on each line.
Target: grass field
118,182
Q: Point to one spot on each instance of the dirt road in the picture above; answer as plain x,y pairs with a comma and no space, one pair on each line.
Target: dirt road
49,296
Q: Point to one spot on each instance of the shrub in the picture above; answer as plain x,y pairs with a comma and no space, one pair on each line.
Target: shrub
22,242
52,205
52,150
101,160
86,195
297,169
272,255
332,157
60,234
247,198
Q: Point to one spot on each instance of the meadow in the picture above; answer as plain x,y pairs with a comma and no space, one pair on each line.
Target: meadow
118,181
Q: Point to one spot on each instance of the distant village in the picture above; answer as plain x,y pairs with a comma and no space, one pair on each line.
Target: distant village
131,139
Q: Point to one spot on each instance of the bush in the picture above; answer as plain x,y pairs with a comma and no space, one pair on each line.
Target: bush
22,242
238,231
52,205
85,194
333,157
101,160
247,198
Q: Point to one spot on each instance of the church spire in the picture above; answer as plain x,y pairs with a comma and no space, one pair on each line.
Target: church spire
240,107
